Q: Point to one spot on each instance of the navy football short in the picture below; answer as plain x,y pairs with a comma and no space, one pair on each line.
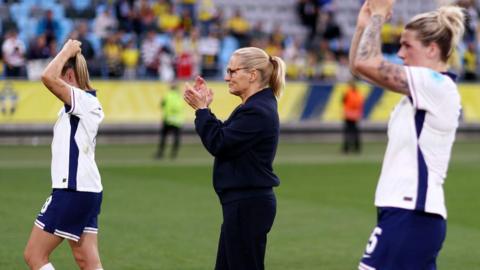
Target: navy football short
404,240
69,214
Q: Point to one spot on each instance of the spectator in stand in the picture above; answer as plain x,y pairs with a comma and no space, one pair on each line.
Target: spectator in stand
137,25
179,42
104,24
146,15
193,47
13,54
124,11
190,6
471,20
186,21
239,27
455,62
323,4
39,48
184,65
331,32
169,22
329,67
390,35
166,68
206,16
343,71
7,23
274,47
218,21
308,12
294,56
311,68
277,35
209,48
258,36
50,27
150,54
470,63
112,52
161,7
130,59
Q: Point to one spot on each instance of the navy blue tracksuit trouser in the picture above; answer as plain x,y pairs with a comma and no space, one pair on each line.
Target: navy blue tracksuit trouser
243,237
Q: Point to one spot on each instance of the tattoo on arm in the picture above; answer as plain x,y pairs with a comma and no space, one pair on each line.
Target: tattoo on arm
370,42
391,75
394,75
354,46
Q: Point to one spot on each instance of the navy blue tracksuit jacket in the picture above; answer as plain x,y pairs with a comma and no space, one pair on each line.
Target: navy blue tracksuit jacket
244,146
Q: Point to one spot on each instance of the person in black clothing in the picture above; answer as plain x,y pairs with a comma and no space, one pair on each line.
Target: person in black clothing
244,147
308,11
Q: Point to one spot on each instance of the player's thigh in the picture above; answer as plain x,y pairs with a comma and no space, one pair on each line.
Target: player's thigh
41,243
86,248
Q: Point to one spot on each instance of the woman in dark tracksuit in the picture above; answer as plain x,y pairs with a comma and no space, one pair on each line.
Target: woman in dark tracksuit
244,147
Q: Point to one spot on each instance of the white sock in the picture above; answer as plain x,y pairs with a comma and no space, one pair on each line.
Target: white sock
47,266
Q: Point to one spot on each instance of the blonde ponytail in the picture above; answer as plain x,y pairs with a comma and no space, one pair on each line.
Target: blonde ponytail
81,72
277,79
453,18
79,66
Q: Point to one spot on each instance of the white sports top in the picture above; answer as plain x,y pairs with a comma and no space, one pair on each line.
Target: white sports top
73,146
421,132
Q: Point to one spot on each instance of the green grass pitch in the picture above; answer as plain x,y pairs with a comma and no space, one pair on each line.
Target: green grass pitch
165,215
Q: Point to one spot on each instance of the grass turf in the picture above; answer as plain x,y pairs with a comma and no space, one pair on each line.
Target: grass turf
165,215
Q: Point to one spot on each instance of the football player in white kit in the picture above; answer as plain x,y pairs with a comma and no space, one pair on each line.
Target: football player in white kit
412,215
72,209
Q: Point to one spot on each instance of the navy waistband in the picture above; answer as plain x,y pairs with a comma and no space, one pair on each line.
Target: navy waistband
231,195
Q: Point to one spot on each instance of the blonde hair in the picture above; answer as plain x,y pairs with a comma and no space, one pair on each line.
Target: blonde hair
444,26
79,66
271,68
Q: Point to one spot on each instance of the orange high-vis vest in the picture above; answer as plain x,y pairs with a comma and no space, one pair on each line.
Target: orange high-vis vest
353,105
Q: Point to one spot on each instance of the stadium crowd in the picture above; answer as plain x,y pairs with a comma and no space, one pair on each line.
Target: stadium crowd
165,39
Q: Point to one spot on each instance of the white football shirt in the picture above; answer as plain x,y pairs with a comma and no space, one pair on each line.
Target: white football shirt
73,146
421,132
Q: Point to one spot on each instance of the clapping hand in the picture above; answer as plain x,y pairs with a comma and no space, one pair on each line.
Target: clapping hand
198,96
201,86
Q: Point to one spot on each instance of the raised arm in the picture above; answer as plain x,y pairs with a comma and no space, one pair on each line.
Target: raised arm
51,76
362,22
367,60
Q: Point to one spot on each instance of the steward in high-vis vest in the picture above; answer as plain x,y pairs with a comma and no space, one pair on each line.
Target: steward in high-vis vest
173,110
353,112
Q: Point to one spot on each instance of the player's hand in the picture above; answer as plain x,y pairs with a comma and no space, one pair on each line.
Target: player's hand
364,16
381,7
72,47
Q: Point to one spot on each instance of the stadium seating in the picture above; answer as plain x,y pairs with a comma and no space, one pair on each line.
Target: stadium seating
273,13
